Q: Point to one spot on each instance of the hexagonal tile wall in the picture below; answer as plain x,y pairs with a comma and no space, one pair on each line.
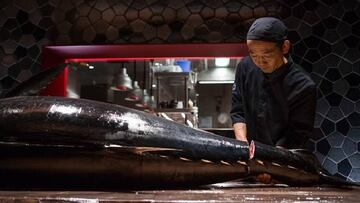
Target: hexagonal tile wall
324,34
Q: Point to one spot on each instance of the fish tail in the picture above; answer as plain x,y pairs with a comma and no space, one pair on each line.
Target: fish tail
328,179
35,84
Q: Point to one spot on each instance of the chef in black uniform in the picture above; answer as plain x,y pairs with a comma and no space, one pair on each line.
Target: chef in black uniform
273,99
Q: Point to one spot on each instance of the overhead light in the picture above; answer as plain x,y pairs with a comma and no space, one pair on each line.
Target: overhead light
222,62
145,99
91,67
151,106
122,82
152,103
135,93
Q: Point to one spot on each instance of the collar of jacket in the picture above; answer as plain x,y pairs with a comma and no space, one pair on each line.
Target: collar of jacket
281,71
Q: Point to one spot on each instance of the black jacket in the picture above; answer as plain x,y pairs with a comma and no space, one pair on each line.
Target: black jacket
278,108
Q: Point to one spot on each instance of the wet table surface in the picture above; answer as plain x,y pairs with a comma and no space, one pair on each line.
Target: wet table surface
225,192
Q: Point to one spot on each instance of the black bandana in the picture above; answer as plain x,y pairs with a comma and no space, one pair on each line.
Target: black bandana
267,29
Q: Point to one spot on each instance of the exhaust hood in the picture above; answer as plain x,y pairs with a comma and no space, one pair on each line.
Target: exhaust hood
217,76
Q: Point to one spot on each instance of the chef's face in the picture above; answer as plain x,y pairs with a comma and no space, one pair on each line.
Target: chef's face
268,56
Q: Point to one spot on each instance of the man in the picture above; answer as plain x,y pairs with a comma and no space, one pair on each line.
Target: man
273,99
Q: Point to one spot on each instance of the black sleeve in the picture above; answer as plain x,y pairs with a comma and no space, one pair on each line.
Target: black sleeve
237,110
301,120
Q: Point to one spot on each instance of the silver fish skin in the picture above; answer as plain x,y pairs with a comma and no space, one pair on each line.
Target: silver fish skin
84,121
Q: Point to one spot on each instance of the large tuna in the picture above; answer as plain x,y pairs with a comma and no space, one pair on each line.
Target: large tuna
82,140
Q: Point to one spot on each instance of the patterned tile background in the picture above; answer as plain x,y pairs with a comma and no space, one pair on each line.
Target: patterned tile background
325,36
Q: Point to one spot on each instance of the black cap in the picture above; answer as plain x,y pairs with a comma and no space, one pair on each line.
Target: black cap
267,29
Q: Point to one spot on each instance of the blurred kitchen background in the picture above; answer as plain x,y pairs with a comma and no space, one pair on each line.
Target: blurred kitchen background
195,92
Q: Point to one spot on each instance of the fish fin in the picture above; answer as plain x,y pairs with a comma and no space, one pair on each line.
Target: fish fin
309,157
35,84
139,150
301,151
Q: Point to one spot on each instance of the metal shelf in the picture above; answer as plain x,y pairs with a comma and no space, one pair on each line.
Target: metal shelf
180,79
173,110
171,74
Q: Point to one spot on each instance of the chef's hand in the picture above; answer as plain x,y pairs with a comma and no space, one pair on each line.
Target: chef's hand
240,132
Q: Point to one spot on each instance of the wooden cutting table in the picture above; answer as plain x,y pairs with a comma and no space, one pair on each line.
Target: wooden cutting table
226,192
